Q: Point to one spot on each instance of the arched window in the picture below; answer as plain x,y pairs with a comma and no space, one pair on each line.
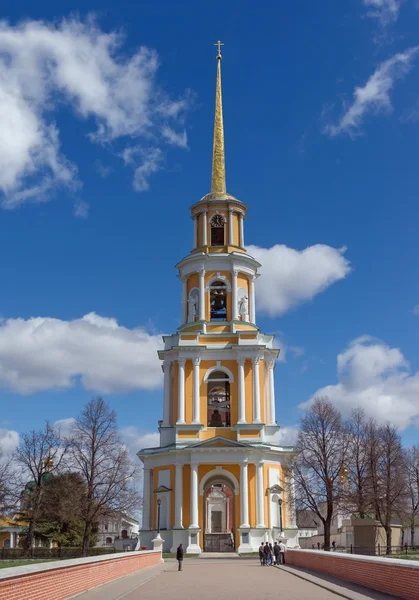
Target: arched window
217,230
218,301
124,533
109,541
218,400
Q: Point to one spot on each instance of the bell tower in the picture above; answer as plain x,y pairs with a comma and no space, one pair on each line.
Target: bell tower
219,422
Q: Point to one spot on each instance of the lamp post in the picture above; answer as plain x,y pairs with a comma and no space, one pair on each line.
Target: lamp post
280,513
158,515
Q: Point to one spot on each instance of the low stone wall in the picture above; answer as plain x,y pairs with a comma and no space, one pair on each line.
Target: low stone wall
63,579
389,575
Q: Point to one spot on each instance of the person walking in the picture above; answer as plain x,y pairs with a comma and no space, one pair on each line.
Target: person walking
261,555
267,554
282,550
276,553
271,551
334,545
179,557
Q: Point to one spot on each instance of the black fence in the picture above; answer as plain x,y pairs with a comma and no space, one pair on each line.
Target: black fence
51,553
379,550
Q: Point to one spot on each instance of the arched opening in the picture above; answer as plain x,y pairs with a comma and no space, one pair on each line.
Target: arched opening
219,516
124,533
217,230
108,541
218,301
218,400
6,543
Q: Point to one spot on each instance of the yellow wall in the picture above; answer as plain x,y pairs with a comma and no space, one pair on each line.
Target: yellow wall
248,384
193,282
156,470
236,229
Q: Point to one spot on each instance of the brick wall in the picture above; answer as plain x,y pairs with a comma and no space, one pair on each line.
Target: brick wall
57,581
392,576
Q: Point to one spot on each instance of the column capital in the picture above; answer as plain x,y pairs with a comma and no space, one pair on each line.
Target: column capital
241,360
270,362
181,360
196,361
236,271
194,465
256,360
201,271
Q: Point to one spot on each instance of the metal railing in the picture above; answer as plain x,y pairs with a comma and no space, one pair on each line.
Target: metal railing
379,550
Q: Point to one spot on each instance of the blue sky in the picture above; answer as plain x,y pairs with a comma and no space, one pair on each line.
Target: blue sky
104,146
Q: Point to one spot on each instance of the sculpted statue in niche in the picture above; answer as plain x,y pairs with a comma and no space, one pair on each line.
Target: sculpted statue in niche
193,305
243,304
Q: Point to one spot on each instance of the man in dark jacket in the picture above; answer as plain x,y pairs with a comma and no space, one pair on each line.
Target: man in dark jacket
276,553
179,556
261,555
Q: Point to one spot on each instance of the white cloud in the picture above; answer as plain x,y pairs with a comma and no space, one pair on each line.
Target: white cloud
73,64
374,97
288,435
150,162
416,310
290,277
136,439
43,353
65,426
9,440
385,11
376,377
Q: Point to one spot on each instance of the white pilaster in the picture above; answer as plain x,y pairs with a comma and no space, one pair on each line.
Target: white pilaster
196,394
244,496
146,500
256,390
204,228
166,402
184,301
230,226
242,392
272,418
241,230
234,295
202,295
195,231
178,496
260,496
12,539
181,391
194,496
252,300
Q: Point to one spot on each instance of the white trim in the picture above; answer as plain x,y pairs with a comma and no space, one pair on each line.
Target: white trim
218,277
219,471
219,368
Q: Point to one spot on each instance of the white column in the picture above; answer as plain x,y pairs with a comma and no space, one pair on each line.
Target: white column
241,230
202,295
146,500
230,226
194,495
272,419
260,496
184,301
12,539
204,228
242,392
195,231
244,495
181,391
166,402
178,496
252,300
234,295
196,391
256,390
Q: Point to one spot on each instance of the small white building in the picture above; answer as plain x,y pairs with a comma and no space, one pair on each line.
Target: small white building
115,527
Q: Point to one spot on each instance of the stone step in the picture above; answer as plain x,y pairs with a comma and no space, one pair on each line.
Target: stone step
231,555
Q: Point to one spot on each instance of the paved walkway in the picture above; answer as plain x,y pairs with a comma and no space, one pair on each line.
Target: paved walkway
228,579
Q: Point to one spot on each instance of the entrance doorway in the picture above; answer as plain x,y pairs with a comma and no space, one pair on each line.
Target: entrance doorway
219,517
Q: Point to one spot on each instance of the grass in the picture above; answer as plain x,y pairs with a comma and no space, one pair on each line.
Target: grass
21,563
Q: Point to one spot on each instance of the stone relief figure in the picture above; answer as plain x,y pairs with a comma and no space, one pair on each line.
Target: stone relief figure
192,306
243,305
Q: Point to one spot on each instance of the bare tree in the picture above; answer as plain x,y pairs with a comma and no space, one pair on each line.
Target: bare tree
387,474
356,488
412,496
104,463
322,451
40,455
7,484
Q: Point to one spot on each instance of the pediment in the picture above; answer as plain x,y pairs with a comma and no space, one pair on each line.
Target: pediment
161,489
219,442
275,489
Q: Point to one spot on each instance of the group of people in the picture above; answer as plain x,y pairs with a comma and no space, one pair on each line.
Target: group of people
272,555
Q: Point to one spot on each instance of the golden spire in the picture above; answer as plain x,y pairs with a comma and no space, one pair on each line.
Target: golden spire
218,184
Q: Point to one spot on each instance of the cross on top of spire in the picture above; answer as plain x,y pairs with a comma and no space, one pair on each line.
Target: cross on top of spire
219,44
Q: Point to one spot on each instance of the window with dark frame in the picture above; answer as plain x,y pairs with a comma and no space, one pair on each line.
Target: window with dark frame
217,230
218,400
